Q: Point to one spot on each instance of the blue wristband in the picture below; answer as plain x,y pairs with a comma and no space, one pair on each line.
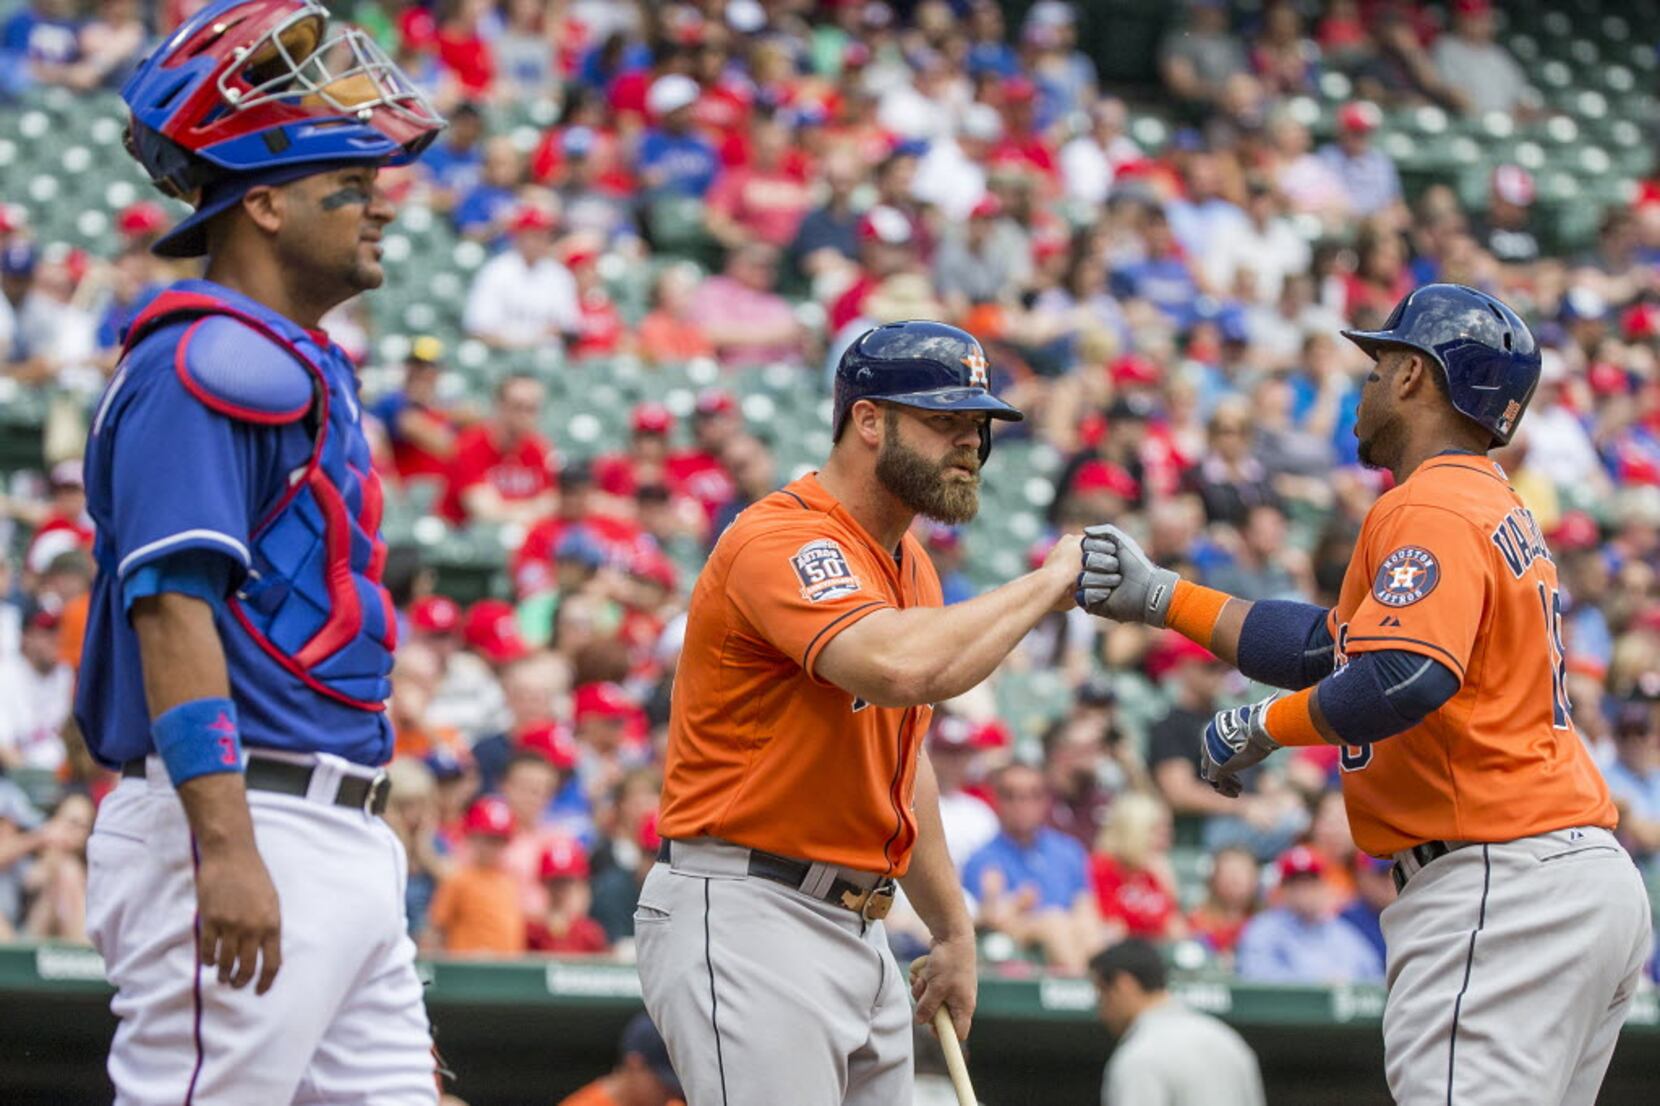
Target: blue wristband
198,738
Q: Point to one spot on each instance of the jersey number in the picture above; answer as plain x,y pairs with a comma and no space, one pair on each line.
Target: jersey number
1551,600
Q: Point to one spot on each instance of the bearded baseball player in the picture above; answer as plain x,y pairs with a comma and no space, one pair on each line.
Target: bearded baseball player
796,789
246,898
1521,926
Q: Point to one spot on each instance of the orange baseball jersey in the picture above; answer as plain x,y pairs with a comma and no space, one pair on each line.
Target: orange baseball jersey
1451,565
762,752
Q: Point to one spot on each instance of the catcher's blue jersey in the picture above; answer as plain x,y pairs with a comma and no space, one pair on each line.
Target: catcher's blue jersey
231,430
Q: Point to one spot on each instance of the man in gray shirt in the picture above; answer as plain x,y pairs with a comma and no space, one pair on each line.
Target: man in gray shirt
1167,1054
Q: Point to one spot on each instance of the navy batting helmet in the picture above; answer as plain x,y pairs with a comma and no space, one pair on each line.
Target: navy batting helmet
919,364
1487,353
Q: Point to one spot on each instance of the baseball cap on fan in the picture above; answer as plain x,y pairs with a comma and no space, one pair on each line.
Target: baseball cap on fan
1300,860
669,93
489,817
563,859
492,631
887,225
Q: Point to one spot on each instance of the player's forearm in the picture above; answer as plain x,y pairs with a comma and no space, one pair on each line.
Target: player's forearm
931,883
929,654
1280,643
184,662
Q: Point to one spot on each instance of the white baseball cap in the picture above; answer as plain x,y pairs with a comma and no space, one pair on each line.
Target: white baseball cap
671,92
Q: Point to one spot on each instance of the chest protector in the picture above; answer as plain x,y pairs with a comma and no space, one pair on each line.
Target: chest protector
313,599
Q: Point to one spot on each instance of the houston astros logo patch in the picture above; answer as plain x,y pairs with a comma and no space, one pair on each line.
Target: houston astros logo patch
977,366
822,568
1406,576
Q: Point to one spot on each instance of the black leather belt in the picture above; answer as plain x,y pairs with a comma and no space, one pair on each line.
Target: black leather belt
263,774
871,903
1409,862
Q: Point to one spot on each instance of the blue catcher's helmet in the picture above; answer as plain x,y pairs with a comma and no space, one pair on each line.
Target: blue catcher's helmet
263,91
919,364
1489,356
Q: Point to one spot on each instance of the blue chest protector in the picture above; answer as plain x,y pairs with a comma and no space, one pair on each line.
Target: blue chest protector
312,599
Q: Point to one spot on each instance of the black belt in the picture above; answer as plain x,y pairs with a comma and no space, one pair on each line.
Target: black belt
872,903
264,774
1422,856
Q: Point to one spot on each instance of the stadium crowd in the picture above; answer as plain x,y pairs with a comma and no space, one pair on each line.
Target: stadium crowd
1167,315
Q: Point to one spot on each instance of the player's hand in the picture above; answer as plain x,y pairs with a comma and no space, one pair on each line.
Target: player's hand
948,974
241,924
1064,564
1120,582
1234,741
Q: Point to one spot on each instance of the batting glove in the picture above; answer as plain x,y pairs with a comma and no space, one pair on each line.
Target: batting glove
1120,582
1234,741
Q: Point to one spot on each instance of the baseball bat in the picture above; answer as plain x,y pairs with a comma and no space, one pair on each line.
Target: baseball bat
954,1057
953,1049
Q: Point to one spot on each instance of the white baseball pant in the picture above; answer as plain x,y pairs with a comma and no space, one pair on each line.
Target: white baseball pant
1511,968
344,1023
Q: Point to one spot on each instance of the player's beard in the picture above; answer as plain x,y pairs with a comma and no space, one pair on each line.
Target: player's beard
922,485
1382,448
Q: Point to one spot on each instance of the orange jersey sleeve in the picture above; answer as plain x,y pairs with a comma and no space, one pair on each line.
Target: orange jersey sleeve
1427,573
802,587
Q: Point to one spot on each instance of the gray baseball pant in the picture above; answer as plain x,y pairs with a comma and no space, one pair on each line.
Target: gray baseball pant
1511,967
766,995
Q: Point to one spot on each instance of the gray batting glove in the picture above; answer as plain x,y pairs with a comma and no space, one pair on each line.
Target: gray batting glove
1119,582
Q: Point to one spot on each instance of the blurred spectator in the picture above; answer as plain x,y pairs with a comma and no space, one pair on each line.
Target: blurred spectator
1309,181
1634,781
503,468
1087,760
672,333
594,202
1135,887
827,238
1164,275
599,330
1265,818
565,928
1301,940
1092,159
970,822
1032,882
486,209
1263,247
1233,895
41,44
524,52
19,841
765,199
476,909
1374,890
455,163
754,476
60,524
37,687
651,425
674,159
421,432
1165,1051
528,784
1230,480
1507,229
951,176
1396,69
1365,173
1284,60
412,812
644,1076
988,261
1480,74
1259,568
523,297
56,880
742,314
626,848
49,332
1197,59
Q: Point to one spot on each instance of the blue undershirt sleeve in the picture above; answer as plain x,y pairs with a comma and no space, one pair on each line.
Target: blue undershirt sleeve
202,573
1381,694
1285,644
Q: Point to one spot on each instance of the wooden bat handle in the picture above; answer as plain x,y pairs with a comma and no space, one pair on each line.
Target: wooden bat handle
954,1057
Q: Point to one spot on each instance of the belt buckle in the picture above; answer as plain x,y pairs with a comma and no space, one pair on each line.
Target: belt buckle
875,903
375,797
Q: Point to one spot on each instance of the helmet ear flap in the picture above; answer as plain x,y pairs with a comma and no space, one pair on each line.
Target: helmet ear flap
985,440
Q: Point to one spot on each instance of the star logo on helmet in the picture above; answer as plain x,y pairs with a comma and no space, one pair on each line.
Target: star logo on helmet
977,366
